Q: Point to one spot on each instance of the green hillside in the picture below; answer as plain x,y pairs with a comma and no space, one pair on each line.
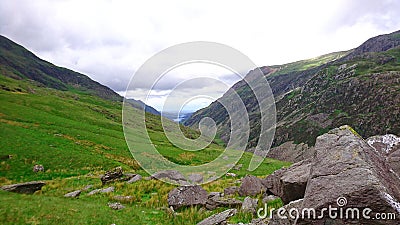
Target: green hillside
77,136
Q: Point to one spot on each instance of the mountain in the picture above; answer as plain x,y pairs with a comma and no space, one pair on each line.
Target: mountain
18,63
359,87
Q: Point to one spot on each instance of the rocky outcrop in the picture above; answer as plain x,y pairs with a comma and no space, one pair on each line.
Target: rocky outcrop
111,176
218,219
347,173
116,206
291,152
249,205
187,196
289,183
250,186
231,190
389,145
135,178
24,188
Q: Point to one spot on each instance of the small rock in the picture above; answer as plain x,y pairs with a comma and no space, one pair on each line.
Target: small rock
24,188
231,190
134,179
230,174
225,157
219,218
269,198
250,205
73,194
250,186
116,206
38,168
112,175
187,196
108,190
94,192
172,175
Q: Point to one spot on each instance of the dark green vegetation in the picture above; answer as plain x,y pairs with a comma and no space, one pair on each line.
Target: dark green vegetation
75,132
360,88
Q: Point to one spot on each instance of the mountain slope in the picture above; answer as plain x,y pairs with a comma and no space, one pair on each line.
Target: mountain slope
19,63
358,87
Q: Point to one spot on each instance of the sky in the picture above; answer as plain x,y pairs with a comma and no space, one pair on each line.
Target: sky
109,40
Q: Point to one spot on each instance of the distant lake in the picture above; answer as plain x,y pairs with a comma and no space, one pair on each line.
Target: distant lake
174,116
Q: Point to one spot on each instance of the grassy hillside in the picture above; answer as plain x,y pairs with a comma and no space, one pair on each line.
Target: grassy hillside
77,137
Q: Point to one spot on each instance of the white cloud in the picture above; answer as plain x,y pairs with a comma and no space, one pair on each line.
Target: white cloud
109,40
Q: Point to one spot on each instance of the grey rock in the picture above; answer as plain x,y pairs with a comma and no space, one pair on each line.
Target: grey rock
38,168
108,190
250,205
24,188
215,199
94,192
134,179
87,187
112,175
195,178
238,167
231,174
73,194
172,175
219,218
250,186
231,190
116,206
187,196
346,167
289,183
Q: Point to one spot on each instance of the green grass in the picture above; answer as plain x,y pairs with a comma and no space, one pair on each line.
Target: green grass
77,137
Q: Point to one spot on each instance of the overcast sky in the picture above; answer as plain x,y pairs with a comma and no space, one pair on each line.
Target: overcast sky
109,40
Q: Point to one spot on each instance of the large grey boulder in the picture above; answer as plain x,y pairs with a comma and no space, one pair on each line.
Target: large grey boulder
348,174
187,196
291,152
24,188
389,146
286,215
250,186
219,219
249,205
289,183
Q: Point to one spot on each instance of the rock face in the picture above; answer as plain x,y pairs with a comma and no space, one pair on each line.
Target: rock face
38,168
219,218
284,218
24,188
187,196
289,183
250,186
389,145
111,176
348,173
134,179
231,190
291,152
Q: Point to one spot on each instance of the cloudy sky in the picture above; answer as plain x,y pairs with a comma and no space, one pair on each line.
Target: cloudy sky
109,40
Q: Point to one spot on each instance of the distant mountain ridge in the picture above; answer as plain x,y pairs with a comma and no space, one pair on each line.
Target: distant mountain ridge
19,63
360,87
